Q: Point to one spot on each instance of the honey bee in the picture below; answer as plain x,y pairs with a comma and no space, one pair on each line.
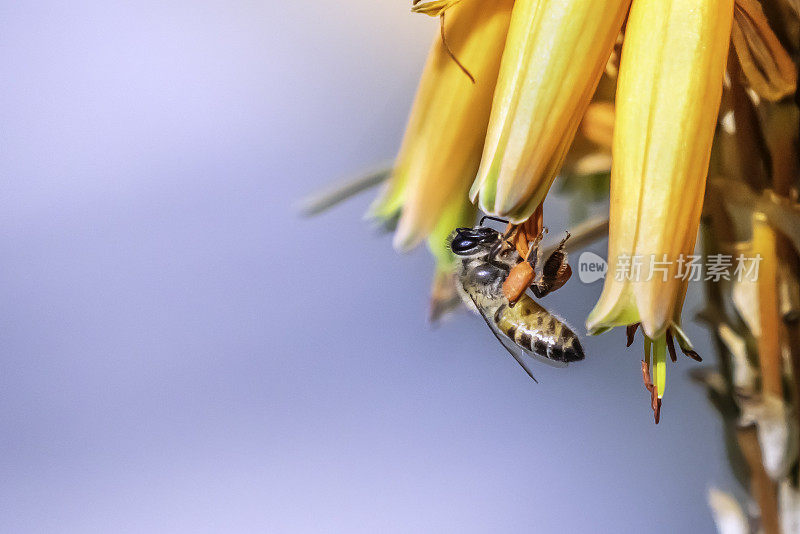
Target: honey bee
484,259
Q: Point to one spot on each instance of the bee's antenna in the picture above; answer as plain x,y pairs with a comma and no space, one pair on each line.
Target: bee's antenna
492,219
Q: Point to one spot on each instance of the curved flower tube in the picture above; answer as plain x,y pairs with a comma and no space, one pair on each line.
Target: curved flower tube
555,54
668,95
442,146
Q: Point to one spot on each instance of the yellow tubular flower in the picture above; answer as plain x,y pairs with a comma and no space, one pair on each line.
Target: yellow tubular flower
668,95
442,146
555,54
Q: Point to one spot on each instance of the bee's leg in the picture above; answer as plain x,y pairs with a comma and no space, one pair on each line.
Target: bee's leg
555,273
522,274
534,252
498,247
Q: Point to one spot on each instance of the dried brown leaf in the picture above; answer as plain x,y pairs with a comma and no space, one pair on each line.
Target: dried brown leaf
769,69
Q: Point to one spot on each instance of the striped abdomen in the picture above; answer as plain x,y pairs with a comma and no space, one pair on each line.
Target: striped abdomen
534,329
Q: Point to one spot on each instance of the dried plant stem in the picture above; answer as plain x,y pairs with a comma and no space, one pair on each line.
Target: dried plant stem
333,195
792,336
752,152
769,340
783,214
756,174
717,224
782,124
781,138
763,489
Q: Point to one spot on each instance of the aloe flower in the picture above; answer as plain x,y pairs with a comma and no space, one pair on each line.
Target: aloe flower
670,73
555,54
515,93
441,150
668,95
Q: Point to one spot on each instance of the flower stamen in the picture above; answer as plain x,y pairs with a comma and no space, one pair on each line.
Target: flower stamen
671,346
630,332
655,401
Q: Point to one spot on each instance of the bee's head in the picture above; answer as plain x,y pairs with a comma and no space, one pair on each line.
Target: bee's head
471,241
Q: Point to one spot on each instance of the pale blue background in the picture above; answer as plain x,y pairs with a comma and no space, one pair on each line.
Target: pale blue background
180,353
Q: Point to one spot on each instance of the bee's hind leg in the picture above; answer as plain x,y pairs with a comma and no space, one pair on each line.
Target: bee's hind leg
555,272
522,274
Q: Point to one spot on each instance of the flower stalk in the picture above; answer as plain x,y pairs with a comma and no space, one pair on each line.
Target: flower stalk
769,339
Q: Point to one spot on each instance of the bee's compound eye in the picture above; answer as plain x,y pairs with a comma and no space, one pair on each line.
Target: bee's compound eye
462,244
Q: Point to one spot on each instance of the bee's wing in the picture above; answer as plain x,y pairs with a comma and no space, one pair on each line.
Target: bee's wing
507,343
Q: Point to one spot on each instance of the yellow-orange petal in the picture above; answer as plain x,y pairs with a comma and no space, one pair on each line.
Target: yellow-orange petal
442,146
554,57
668,95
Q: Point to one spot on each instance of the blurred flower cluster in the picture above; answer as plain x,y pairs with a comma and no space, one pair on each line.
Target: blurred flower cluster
516,93
684,111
